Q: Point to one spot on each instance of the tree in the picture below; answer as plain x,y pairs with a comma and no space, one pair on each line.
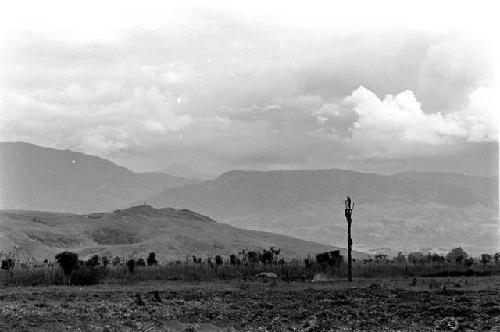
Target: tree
496,257
141,262
93,261
457,255
234,260
276,252
116,261
468,261
266,257
130,265
105,261
485,258
68,261
151,260
380,258
329,258
400,258
8,264
416,257
218,260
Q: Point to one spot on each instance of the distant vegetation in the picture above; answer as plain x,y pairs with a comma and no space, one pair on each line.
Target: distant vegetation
243,265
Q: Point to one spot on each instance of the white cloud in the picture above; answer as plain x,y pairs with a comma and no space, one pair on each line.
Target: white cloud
452,68
396,126
222,87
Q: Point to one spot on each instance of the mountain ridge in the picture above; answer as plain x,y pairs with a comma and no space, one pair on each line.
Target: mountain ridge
34,177
424,211
171,233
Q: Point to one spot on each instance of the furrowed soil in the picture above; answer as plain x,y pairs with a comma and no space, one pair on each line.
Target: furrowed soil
463,304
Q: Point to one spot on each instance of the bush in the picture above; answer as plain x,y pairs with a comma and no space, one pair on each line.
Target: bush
151,260
88,275
7,264
105,261
68,261
218,260
130,265
93,261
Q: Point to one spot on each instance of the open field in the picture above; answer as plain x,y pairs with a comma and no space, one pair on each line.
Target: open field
366,304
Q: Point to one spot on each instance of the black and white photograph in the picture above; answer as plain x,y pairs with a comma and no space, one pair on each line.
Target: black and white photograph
249,165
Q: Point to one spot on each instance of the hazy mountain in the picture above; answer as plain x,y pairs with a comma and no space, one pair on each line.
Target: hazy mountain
34,177
171,233
405,211
185,171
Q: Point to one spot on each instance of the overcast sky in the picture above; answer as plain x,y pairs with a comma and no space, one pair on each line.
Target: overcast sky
248,85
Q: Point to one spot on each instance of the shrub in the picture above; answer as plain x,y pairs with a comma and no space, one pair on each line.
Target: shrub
151,260
116,261
485,258
88,275
141,262
457,255
218,260
68,261
332,258
105,261
7,264
130,265
93,261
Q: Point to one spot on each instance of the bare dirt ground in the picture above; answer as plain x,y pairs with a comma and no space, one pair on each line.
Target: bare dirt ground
464,304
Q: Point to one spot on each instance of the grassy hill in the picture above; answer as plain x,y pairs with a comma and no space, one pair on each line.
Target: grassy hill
171,233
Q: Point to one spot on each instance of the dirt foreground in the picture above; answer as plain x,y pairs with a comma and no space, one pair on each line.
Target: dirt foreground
431,304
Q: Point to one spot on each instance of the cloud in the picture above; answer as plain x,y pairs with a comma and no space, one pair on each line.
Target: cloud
236,92
452,68
396,126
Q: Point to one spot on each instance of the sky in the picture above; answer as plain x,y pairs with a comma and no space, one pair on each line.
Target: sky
215,86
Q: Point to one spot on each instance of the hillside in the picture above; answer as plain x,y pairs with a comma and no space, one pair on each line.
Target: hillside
407,211
171,233
38,178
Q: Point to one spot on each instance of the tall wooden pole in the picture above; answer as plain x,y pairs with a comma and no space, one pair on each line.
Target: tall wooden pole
349,206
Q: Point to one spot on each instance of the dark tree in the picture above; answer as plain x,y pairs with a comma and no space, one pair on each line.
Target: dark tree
8,264
485,258
253,257
266,257
130,265
116,261
233,259
457,255
93,261
105,261
496,257
141,262
151,260
416,257
68,261
468,261
329,258
218,260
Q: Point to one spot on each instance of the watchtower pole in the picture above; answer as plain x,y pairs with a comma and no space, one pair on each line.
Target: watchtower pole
349,206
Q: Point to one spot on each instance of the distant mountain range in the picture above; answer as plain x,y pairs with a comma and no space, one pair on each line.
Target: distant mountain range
172,234
406,211
38,178
185,171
